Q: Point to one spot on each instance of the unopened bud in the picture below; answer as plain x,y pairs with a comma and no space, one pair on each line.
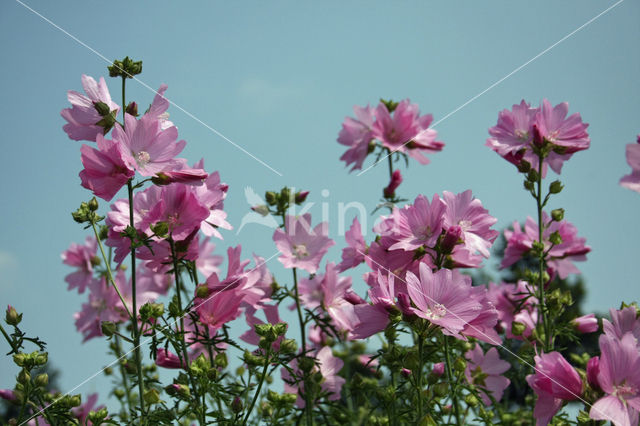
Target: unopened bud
23,377
555,238
451,238
75,400
221,360
301,197
93,204
555,187
306,364
557,214
12,316
460,364
471,400
262,210
108,328
524,166
538,139
271,198
288,346
151,396
119,393
441,389
236,405
42,380
132,109
517,328
41,358
161,229
202,291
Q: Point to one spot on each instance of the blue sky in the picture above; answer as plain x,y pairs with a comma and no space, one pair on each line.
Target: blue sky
278,79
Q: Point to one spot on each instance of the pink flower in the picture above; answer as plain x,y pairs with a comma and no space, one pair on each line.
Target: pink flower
103,305
207,263
167,359
514,134
568,133
356,134
514,304
593,369
623,321
406,131
632,181
83,116
560,257
7,394
212,195
158,109
586,323
419,224
179,208
619,378
146,147
475,222
485,371
221,305
445,298
105,169
390,190
354,253
301,246
84,258
554,381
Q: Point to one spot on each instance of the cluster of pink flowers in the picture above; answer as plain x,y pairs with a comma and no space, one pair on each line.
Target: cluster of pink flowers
522,132
400,130
614,375
560,257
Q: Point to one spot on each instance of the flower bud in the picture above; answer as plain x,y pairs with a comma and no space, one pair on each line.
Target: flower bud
557,214
452,237
593,369
151,396
12,316
202,291
441,389
236,405
538,139
389,192
132,109
517,328
161,229
301,197
20,359
102,108
41,358
586,323
471,400
42,380
93,204
288,346
23,377
524,166
75,400
460,364
555,238
109,328
405,372
262,210
8,395
271,198
119,393
555,187
221,360
280,328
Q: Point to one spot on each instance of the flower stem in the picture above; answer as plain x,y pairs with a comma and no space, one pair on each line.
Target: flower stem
9,339
390,163
257,394
183,345
299,310
454,396
125,381
419,375
541,261
109,273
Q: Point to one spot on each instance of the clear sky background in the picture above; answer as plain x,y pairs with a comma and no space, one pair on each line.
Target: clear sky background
278,78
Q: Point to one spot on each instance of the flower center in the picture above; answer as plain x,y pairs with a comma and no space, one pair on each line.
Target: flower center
465,224
300,251
143,158
436,312
424,233
522,135
625,391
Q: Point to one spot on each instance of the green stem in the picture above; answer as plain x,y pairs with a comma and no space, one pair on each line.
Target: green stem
299,310
454,396
541,260
390,163
134,320
44,412
257,394
125,381
109,273
183,345
9,340
419,375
